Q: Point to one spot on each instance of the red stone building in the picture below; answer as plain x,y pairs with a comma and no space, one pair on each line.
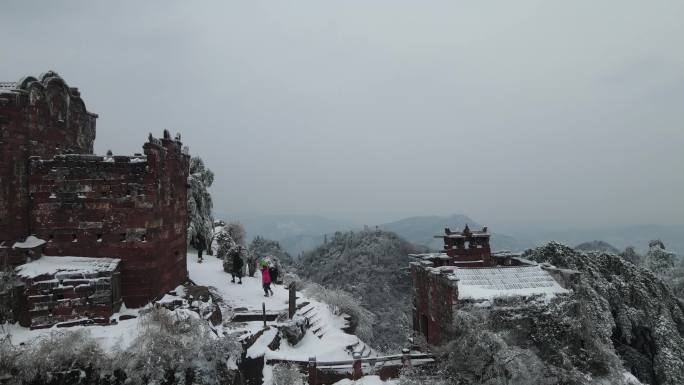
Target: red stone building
132,208
467,248
468,273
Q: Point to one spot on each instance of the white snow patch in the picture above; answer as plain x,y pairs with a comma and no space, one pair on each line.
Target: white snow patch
109,337
74,265
367,380
630,379
30,242
260,346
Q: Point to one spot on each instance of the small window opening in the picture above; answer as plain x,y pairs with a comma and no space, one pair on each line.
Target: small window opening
123,237
73,238
144,237
51,237
99,237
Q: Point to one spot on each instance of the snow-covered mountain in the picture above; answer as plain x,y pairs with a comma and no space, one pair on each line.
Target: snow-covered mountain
299,233
373,266
295,233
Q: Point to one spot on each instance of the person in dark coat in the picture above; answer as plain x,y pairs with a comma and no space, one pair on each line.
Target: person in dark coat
201,241
237,265
273,272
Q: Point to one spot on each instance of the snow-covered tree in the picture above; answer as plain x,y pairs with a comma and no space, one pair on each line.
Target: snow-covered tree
287,374
631,255
58,353
237,232
261,246
342,302
659,260
178,348
371,265
224,243
200,221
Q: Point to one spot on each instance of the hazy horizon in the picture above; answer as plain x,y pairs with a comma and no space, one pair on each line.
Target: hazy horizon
528,113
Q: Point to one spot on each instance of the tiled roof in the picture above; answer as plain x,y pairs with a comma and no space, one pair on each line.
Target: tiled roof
488,283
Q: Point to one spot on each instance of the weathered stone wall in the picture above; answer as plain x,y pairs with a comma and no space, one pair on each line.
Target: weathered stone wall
67,297
133,208
434,297
38,117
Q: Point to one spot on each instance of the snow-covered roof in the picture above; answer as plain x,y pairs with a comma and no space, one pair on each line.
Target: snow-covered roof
428,256
489,283
7,86
30,243
72,265
506,253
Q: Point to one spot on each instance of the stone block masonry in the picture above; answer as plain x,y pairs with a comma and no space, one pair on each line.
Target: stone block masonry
133,208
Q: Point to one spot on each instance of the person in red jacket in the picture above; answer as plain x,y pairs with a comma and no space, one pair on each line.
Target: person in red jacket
266,278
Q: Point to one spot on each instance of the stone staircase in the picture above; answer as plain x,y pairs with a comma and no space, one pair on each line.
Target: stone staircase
314,322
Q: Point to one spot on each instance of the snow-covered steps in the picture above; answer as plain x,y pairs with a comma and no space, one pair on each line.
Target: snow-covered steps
250,316
360,348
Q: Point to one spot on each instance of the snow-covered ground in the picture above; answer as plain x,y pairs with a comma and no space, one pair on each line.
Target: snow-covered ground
327,344
367,380
331,346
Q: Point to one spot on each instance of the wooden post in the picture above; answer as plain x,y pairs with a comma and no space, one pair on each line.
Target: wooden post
263,311
406,357
293,301
313,371
357,371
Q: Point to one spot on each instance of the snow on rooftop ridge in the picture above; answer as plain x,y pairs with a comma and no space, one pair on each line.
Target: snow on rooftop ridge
73,265
7,87
489,283
30,243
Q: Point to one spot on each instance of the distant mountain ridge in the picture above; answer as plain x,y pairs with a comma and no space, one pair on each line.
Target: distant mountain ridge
300,233
618,236
597,246
295,233
421,230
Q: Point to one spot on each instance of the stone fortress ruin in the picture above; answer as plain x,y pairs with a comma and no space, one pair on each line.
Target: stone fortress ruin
118,222
466,272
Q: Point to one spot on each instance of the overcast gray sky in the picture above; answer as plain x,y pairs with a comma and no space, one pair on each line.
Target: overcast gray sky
566,112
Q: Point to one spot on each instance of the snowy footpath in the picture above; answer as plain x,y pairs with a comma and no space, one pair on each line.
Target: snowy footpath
329,344
326,341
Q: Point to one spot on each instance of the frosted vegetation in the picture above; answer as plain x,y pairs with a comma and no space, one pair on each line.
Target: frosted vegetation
287,374
261,246
227,238
200,220
664,264
171,348
342,302
371,265
620,318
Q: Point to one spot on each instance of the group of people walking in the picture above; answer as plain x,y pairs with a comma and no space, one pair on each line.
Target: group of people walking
269,270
